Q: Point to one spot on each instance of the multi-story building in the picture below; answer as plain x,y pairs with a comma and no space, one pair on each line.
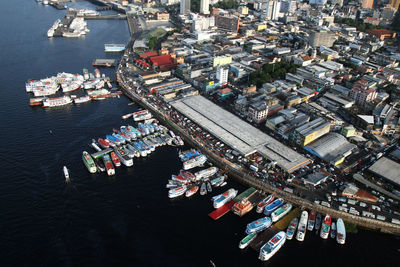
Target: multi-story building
185,7
288,6
227,23
395,4
205,7
310,131
362,93
272,10
260,111
368,4
325,38
222,74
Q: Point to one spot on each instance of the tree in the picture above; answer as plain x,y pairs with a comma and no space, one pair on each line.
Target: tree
152,42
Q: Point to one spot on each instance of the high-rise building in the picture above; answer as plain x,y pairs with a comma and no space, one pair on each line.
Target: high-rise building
222,74
288,6
318,38
272,10
205,6
185,6
395,4
227,23
369,4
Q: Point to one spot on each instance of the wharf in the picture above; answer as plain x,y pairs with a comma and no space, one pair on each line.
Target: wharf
117,16
101,153
218,213
246,194
100,62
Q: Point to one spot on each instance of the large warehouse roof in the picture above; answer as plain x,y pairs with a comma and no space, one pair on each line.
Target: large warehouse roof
387,169
331,147
237,133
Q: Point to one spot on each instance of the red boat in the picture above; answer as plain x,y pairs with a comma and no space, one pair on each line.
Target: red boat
115,159
188,175
180,179
104,143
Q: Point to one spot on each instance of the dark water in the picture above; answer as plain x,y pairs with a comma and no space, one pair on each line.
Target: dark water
123,221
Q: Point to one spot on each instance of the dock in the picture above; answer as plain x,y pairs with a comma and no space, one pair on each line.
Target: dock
101,153
101,62
245,194
218,213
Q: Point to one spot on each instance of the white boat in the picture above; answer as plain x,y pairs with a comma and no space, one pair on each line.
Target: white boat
333,230
272,246
340,231
57,101
247,240
280,212
195,162
205,173
326,225
292,228
66,174
301,230
177,191
82,99
220,200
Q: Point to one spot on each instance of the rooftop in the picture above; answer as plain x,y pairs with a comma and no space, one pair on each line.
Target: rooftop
387,169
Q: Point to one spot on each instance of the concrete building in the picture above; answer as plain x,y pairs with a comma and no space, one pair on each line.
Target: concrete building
222,60
310,131
272,10
395,4
205,7
362,93
185,7
288,6
227,23
318,38
222,74
387,169
368,4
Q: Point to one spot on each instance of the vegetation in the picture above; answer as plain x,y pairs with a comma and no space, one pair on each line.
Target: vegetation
229,4
152,42
358,23
347,64
271,72
350,228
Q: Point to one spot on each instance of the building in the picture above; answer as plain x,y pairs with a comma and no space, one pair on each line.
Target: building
227,23
395,4
310,131
224,93
272,10
325,38
222,74
185,7
243,10
317,2
317,178
205,7
387,169
338,2
362,93
222,60
288,6
368,4
382,34
162,16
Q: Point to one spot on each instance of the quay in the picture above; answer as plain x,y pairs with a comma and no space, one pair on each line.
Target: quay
116,16
104,62
101,153
221,211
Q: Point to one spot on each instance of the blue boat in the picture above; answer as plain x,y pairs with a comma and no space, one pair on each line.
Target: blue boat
258,225
119,138
187,155
113,139
273,206
134,130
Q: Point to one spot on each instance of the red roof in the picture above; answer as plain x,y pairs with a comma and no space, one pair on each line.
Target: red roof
148,54
225,90
161,60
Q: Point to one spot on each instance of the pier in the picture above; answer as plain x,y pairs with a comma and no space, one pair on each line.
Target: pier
101,153
221,211
116,16
104,62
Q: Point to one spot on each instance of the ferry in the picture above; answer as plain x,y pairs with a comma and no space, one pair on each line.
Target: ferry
115,159
318,222
56,101
191,191
176,192
188,154
280,212
301,230
82,99
88,161
247,240
273,206
326,225
221,199
114,47
242,207
188,175
272,246
85,74
340,231
109,166
264,202
218,180
203,189
123,157
333,230
141,115
103,143
180,179
195,162
258,225
66,174
205,173
311,220
292,228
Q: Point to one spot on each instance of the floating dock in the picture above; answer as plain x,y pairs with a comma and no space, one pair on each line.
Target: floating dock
218,213
100,62
244,195
102,153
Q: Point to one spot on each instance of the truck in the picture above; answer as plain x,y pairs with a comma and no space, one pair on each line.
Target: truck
253,168
288,189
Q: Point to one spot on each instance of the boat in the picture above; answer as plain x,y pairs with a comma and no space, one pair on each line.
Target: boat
141,115
85,74
97,73
247,240
280,212
113,140
209,188
188,175
203,189
108,164
195,162
180,179
176,192
57,101
100,165
273,206
82,99
103,143
333,230
123,157
292,228
191,191
188,154
264,202
340,231
126,116
301,230
272,246
242,207
318,222
95,146
326,225
89,162
258,225
311,220
114,47
115,159
218,180
205,173
221,199
37,101
223,184
66,174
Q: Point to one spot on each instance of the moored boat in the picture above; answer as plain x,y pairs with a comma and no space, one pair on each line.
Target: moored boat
203,189
82,99
333,230
258,225
223,198
340,231
188,175
292,228
89,162
209,188
195,162
218,180
103,143
301,230
191,191
108,164
115,159
273,206
326,225
264,202
318,220
175,192
205,173
123,157
272,246
247,240
311,220
280,212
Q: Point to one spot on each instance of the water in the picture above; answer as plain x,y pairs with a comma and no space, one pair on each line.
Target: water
99,221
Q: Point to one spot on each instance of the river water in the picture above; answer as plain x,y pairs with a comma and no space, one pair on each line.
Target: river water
127,220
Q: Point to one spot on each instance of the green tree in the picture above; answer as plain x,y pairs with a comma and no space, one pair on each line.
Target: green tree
152,42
